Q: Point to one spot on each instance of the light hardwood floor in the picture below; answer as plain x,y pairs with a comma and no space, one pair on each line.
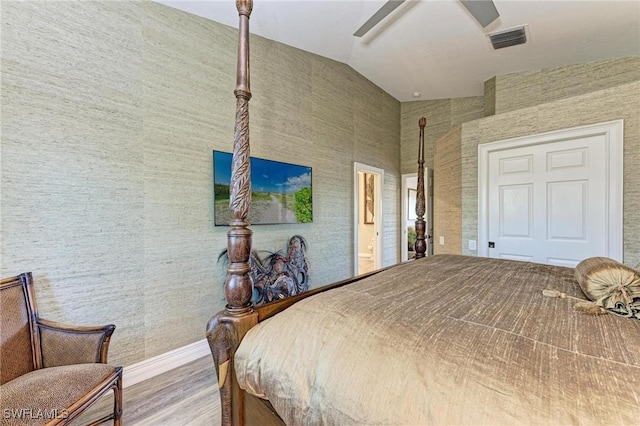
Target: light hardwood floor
185,396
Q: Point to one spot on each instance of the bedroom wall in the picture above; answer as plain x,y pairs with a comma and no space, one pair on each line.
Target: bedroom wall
110,114
442,115
447,201
510,92
620,102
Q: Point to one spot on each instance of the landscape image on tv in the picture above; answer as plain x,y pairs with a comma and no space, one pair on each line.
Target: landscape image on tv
280,192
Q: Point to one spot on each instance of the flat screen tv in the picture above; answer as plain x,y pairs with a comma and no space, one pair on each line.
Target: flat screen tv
280,192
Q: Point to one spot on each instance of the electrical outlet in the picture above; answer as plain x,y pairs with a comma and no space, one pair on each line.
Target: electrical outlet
473,245
441,240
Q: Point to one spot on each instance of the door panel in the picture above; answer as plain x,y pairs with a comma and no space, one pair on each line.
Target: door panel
567,210
510,165
516,211
570,158
516,257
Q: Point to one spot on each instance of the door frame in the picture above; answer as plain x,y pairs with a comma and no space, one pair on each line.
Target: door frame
614,138
377,208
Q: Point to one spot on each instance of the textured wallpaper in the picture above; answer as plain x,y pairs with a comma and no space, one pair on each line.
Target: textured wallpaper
442,115
526,89
110,114
447,200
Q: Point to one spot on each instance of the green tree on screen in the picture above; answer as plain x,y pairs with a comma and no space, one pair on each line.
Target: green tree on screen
303,205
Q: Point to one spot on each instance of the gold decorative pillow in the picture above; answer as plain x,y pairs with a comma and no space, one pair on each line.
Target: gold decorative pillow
610,285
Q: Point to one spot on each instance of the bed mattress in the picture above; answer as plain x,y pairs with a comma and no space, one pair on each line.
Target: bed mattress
446,340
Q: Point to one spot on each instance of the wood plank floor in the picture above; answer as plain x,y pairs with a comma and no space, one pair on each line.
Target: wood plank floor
185,396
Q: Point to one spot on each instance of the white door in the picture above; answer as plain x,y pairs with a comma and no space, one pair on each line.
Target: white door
547,202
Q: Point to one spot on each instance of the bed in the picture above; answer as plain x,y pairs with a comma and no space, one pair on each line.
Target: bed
436,340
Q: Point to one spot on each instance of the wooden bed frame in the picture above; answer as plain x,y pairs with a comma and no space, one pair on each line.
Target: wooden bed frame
226,329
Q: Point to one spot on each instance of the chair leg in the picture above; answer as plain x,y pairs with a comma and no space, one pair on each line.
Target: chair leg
117,401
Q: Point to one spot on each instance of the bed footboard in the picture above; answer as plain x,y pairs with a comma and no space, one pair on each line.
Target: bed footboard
225,332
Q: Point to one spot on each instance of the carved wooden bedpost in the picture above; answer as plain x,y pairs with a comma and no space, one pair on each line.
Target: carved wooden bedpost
421,245
226,329
238,287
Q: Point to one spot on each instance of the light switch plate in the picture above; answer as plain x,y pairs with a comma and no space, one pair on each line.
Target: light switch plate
441,240
473,245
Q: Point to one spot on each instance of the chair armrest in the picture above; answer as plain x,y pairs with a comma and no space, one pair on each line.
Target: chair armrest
63,344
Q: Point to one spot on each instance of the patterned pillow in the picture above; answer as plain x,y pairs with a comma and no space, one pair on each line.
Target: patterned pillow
610,284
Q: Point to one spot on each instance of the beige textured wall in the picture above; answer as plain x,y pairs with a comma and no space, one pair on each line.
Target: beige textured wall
621,102
490,97
510,92
447,214
442,115
110,114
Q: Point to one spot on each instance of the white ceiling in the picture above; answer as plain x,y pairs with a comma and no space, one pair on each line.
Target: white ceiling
435,47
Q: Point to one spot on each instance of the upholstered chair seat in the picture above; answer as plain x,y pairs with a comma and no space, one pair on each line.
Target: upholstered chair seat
50,372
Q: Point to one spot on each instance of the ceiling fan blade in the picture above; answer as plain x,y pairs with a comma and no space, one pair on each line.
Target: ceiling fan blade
382,13
484,11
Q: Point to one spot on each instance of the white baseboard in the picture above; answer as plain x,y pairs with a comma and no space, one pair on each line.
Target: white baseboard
162,363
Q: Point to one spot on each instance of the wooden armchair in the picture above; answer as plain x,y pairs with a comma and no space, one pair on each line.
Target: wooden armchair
50,372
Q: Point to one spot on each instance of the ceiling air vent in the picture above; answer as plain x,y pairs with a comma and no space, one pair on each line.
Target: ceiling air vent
508,38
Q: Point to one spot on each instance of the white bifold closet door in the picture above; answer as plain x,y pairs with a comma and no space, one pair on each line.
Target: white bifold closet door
547,202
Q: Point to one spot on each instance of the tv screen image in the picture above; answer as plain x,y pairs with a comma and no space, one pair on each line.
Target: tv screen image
280,192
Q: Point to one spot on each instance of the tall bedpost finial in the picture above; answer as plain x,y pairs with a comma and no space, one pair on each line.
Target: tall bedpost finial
244,7
238,287
420,246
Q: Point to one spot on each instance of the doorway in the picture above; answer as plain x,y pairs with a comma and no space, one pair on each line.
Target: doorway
408,219
367,229
554,198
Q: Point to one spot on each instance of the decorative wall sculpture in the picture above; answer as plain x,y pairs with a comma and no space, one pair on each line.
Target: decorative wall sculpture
278,274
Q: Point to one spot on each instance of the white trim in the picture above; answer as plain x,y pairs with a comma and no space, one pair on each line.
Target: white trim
379,184
162,363
614,132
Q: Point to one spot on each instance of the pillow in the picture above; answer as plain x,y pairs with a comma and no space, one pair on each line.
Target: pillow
610,284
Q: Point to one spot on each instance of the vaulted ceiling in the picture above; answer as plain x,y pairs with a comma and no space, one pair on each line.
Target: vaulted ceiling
435,47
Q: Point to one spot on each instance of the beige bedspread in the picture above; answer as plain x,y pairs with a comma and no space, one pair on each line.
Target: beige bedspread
446,340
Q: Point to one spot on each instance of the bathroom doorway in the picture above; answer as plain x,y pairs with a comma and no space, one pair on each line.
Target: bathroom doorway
367,241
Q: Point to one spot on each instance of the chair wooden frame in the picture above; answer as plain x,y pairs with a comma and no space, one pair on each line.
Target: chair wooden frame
39,325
